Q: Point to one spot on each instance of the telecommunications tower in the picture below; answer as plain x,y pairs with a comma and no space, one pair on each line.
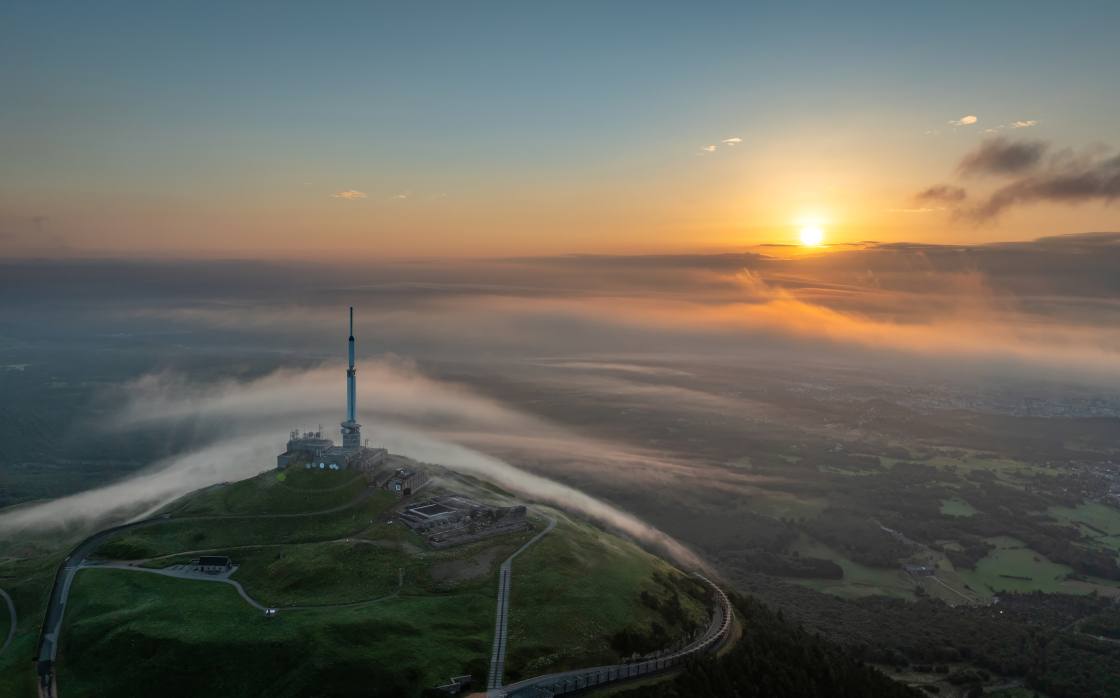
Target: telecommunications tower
351,430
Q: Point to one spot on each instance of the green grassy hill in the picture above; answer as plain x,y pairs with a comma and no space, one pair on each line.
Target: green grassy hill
300,491
581,597
367,609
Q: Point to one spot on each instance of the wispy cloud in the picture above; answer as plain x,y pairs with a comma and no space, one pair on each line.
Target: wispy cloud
350,194
965,121
709,149
401,196
732,141
942,192
1012,125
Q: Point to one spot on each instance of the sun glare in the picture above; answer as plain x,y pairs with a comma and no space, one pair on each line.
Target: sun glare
811,236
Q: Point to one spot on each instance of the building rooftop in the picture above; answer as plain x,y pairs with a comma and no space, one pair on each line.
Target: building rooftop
429,510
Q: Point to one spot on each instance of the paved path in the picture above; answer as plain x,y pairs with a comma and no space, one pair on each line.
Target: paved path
181,572
52,622
498,658
11,630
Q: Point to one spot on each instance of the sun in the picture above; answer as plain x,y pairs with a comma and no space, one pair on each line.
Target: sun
811,236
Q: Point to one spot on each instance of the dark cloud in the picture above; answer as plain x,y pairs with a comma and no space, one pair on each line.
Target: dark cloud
1069,180
942,192
1001,156
1067,177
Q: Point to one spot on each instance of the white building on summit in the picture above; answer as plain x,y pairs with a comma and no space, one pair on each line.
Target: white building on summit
319,452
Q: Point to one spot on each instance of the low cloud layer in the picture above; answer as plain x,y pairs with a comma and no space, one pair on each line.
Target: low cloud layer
1041,310
404,411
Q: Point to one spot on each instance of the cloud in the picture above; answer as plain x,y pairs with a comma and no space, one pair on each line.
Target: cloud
1001,156
401,196
1014,124
709,149
965,121
915,210
1066,177
1069,179
732,141
350,194
941,192
404,411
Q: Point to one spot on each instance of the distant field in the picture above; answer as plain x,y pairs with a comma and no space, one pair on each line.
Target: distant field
1100,525
1010,558
130,629
789,507
957,507
574,589
858,580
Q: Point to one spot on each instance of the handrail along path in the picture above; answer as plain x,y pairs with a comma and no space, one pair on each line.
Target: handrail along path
580,680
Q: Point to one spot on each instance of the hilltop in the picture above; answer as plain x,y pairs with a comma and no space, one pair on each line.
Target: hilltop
366,607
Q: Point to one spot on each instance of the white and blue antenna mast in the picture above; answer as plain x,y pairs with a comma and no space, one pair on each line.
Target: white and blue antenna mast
351,378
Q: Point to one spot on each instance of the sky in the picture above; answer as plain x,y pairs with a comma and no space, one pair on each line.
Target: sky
392,131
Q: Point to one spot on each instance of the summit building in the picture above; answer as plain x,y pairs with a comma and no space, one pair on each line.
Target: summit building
319,452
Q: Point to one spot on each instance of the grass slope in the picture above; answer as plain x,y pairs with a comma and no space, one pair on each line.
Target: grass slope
182,535
575,590
131,633
30,588
300,491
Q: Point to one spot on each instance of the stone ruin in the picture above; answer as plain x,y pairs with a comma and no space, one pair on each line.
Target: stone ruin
452,519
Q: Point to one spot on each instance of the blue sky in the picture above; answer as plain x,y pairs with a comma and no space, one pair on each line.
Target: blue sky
518,112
